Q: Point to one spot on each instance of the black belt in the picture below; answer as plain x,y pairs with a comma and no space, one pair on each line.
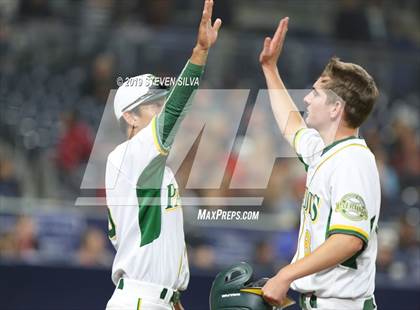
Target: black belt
175,298
369,304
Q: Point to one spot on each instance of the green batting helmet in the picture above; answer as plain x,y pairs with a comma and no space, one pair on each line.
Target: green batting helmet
234,289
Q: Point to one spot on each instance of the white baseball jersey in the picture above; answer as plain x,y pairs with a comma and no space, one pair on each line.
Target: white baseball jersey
342,196
145,214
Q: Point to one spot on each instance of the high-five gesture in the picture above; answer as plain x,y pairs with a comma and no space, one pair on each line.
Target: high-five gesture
207,34
285,111
273,46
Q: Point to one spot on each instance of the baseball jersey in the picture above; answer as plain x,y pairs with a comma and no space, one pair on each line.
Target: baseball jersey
342,196
145,221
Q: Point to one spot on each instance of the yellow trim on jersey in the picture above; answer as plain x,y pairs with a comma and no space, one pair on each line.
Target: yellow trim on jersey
301,229
351,228
172,209
297,137
344,147
158,145
180,264
185,253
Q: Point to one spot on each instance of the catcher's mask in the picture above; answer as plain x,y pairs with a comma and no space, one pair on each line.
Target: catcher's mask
234,289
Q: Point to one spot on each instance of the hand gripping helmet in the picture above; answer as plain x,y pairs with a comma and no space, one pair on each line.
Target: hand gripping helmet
234,289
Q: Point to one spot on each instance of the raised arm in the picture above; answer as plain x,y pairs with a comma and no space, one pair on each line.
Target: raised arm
179,98
285,111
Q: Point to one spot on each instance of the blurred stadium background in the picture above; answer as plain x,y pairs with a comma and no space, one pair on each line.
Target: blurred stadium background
59,60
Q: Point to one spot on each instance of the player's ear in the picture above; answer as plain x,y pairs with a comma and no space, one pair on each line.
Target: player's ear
129,118
337,109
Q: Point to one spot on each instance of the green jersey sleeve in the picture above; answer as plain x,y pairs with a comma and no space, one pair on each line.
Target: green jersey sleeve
177,104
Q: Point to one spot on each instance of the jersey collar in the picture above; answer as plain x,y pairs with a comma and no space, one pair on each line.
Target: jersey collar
330,146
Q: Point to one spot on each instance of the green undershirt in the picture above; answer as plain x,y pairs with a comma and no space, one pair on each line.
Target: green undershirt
177,104
149,184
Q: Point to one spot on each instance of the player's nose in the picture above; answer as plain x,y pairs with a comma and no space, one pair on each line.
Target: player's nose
306,99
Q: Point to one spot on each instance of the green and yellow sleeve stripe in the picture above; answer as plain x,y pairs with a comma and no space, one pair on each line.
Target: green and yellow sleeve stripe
297,137
349,230
296,140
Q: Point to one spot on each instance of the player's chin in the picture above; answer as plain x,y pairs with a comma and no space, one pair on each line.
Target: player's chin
311,123
308,120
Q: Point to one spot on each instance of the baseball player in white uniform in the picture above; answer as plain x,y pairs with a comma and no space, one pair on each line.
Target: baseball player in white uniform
144,208
334,265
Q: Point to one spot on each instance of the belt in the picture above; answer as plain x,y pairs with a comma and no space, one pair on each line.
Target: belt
310,301
150,290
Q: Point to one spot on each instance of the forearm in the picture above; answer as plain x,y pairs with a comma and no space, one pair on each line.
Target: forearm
286,113
336,249
179,100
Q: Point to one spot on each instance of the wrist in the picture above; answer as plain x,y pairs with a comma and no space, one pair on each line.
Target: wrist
269,68
199,55
200,49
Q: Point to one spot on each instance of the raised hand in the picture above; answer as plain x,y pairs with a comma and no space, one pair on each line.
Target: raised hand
207,33
273,46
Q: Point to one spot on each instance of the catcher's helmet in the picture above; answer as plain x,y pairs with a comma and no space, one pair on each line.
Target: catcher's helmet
234,289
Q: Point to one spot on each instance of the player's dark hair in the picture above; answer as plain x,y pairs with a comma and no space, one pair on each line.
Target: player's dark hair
355,86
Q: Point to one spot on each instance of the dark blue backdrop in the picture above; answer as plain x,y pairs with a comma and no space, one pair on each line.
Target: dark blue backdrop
59,288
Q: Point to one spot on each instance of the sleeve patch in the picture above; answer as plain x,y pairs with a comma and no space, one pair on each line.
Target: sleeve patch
352,207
